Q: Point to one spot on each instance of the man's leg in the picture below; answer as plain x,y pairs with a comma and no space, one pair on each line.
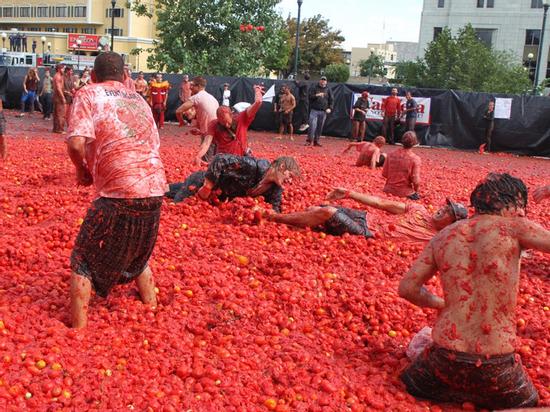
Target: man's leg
281,130
392,130
156,117
161,119
321,117
313,217
312,126
146,287
291,130
362,129
355,130
81,290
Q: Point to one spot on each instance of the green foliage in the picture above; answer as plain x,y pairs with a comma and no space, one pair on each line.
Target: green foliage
463,62
337,73
373,66
320,46
205,38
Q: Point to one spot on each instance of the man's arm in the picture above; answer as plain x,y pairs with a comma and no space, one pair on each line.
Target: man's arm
374,159
390,206
76,147
415,175
258,100
203,149
293,104
531,235
412,286
352,145
184,107
25,84
330,99
541,193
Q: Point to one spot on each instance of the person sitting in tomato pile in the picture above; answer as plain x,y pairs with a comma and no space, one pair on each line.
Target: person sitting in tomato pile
229,176
402,169
114,144
416,225
228,133
472,357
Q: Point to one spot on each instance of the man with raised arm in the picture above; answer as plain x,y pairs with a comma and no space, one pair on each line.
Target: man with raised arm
114,144
472,357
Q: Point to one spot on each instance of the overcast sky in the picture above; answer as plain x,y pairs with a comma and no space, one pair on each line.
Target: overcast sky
364,21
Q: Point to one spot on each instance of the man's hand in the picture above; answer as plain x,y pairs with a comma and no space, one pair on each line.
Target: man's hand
541,193
338,193
83,176
199,162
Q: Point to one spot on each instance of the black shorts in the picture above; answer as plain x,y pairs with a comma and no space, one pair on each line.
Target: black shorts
181,191
2,123
349,221
286,118
495,382
381,161
115,241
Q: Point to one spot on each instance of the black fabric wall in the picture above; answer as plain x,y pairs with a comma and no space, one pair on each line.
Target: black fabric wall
456,116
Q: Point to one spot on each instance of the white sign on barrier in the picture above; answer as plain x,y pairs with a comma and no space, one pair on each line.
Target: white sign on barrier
375,109
503,108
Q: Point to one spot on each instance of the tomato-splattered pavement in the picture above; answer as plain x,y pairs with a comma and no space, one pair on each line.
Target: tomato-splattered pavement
251,317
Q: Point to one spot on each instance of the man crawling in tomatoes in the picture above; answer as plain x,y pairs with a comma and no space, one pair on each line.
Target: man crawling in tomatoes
229,176
415,222
472,358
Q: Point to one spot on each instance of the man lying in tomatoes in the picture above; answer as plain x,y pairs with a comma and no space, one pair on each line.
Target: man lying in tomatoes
229,176
472,357
415,224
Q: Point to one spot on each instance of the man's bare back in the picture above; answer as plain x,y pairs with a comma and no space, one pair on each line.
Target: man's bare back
479,262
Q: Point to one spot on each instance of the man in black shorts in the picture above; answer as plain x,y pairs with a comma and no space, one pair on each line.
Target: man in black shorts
230,176
333,220
287,104
120,229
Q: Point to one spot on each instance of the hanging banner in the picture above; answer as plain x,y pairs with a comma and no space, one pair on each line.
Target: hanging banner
375,109
89,42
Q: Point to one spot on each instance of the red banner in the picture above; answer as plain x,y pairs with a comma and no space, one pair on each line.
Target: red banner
88,41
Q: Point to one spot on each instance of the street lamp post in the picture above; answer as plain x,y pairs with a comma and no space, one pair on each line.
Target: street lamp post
113,4
4,35
78,44
530,57
370,65
43,40
297,52
545,5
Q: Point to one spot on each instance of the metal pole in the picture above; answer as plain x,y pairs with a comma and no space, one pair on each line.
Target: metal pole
297,52
539,54
78,59
113,3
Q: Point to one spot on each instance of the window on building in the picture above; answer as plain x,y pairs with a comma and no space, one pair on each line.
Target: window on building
532,37
440,3
536,4
70,30
51,29
480,4
33,29
88,30
24,12
42,12
116,32
437,31
117,12
490,4
485,36
7,11
80,11
61,11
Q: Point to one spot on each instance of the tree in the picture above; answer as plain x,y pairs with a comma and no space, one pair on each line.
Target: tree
219,37
373,66
320,46
337,73
463,62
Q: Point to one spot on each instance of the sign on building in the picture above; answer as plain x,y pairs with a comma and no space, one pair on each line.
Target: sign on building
89,42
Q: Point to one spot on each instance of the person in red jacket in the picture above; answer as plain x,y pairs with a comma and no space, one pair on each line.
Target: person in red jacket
158,95
391,107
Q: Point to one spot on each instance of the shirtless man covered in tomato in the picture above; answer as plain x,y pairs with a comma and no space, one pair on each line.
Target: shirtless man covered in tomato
472,357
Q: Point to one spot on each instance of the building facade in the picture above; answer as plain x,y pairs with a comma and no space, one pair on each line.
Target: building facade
508,25
385,50
78,27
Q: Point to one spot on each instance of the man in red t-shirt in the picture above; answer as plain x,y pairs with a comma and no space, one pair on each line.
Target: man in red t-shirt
114,144
402,170
391,107
229,133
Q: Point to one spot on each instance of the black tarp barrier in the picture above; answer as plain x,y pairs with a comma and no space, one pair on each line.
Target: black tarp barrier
456,117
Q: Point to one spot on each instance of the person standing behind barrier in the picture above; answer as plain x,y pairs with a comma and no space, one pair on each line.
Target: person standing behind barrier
391,107
489,119
402,170
158,95
359,118
59,102
205,107
287,103
30,87
226,95
302,109
69,89
184,95
46,94
411,108
320,104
